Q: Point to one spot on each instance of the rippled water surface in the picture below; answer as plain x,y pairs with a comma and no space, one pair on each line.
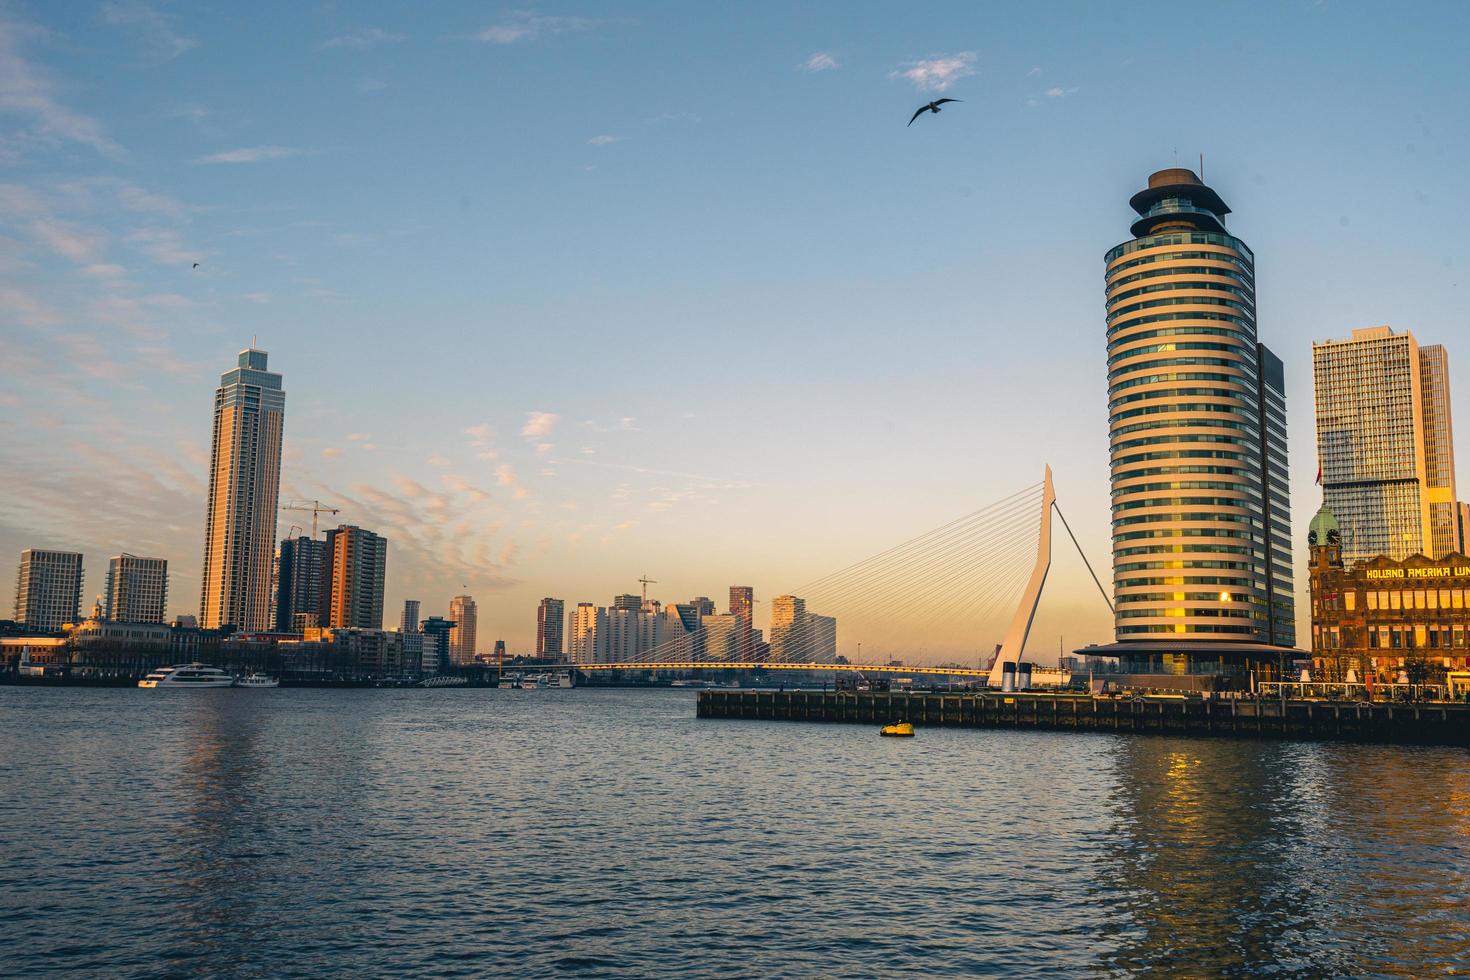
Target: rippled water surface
610,833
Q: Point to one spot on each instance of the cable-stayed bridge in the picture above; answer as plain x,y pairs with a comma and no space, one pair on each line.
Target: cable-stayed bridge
938,594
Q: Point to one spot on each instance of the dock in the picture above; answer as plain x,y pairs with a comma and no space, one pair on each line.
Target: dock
1426,723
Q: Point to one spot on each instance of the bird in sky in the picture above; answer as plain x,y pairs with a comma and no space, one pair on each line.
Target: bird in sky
196,265
931,107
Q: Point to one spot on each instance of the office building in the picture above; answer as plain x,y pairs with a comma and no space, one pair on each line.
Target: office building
1197,420
48,589
299,584
704,605
721,636
435,645
137,589
1385,444
409,621
742,607
1383,619
244,489
823,633
549,628
354,570
631,603
790,630
463,611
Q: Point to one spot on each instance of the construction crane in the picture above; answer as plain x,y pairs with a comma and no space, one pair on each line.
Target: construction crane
646,583
315,506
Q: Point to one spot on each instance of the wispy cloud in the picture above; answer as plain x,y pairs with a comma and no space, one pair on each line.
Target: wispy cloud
252,154
365,37
77,244
481,436
1056,92
821,61
539,425
605,140
938,73
155,29
25,92
525,25
370,86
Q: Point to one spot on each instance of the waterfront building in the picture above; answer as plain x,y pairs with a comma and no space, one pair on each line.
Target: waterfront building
435,631
1385,444
790,630
1385,619
409,621
465,613
704,605
742,607
244,491
587,634
823,633
549,628
722,634
411,645
137,589
1197,421
299,584
631,603
48,589
354,570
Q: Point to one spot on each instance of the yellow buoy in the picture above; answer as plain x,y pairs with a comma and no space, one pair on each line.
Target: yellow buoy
902,730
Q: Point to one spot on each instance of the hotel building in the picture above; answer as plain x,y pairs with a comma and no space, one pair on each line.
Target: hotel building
1385,443
1202,568
244,490
1385,619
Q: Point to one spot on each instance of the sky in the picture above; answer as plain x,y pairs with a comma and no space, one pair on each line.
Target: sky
572,293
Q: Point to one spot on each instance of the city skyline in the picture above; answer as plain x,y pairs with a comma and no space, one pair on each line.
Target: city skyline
805,449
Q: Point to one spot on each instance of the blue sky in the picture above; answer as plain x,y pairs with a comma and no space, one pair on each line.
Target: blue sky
568,293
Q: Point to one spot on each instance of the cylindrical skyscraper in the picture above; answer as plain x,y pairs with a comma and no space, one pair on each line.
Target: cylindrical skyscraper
1197,425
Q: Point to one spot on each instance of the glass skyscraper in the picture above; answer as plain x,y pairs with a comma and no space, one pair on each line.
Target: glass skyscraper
1197,423
1385,444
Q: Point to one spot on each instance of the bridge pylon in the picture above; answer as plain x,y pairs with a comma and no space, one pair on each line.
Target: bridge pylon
1014,643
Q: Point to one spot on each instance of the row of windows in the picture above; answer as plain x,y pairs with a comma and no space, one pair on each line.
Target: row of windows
1138,566
1172,347
1157,270
1244,489
1222,628
1187,285
1249,445
1182,612
1186,407
1411,599
1186,502
1409,638
1237,395
1244,339
1171,516
1183,454
1182,532
1246,323
1206,423
1181,238
1122,311
1180,597
1167,470
1182,256
1153,583
1155,379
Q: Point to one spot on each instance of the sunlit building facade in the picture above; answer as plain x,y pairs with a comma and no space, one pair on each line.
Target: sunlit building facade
354,571
244,491
48,589
465,613
549,620
1386,444
137,589
299,584
1197,427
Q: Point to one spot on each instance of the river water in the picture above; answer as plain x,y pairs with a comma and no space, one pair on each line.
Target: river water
611,833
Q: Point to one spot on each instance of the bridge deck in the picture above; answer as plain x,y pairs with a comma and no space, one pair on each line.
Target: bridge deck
769,665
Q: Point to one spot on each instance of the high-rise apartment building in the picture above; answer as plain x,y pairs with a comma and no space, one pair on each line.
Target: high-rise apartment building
1197,425
409,621
823,633
465,613
435,644
48,588
1386,445
299,584
790,630
549,627
137,589
587,634
354,570
632,603
244,489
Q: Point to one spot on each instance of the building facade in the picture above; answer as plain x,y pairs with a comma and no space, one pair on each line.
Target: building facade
790,630
244,491
1384,619
137,589
1385,443
462,638
742,607
549,620
354,571
587,634
408,622
48,589
299,584
435,631
1197,429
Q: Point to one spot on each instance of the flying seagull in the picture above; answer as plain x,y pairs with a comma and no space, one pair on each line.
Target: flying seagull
196,265
931,107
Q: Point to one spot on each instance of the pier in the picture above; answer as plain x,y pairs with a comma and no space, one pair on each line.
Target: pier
1411,723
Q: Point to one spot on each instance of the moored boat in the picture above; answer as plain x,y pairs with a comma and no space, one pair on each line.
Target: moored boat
186,676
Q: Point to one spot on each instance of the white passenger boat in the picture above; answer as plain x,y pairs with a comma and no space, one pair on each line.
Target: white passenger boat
258,680
188,675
